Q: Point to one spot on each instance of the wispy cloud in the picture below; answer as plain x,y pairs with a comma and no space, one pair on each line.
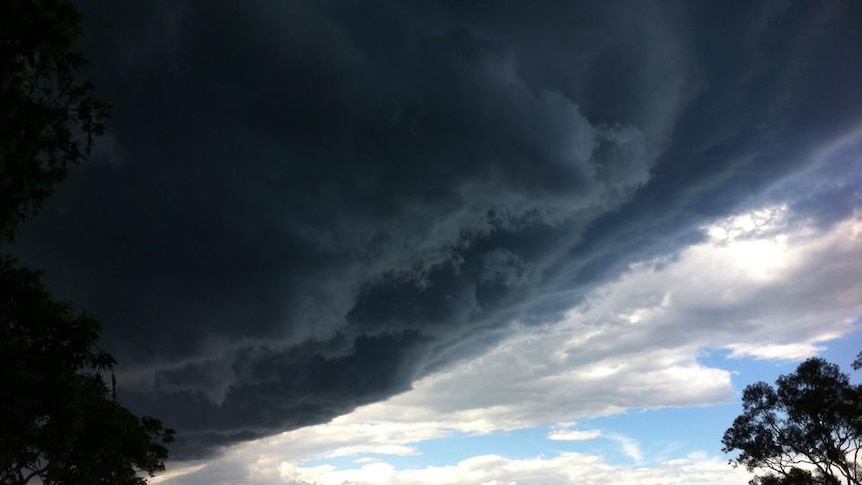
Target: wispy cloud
629,447
574,435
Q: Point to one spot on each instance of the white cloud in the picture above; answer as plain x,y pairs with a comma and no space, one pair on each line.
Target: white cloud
563,469
757,223
379,449
365,459
632,344
574,435
775,352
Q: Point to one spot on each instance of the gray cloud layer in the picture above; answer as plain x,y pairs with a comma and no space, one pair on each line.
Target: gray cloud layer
305,206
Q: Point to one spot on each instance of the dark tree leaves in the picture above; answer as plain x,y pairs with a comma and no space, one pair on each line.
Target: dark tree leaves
805,430
58,420
48,117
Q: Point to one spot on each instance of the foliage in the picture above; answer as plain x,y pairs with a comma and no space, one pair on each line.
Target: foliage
59,422
805,430
48,118
57,418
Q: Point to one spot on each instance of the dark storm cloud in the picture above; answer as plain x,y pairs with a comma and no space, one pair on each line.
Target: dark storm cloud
303,206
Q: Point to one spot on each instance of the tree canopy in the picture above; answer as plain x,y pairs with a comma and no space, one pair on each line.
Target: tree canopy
807,429
60,422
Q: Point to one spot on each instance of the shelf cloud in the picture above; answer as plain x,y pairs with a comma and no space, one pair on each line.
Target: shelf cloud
306,207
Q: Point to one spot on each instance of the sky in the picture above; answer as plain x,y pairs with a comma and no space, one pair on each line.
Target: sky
463,242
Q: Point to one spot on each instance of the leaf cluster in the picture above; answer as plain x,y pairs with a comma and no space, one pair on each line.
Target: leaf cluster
48,117
57,419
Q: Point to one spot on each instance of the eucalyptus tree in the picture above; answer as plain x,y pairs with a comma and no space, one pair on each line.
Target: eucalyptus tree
807,429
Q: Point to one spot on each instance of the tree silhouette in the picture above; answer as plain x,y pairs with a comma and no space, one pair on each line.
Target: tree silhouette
805,430
60,423
58,420
48,117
